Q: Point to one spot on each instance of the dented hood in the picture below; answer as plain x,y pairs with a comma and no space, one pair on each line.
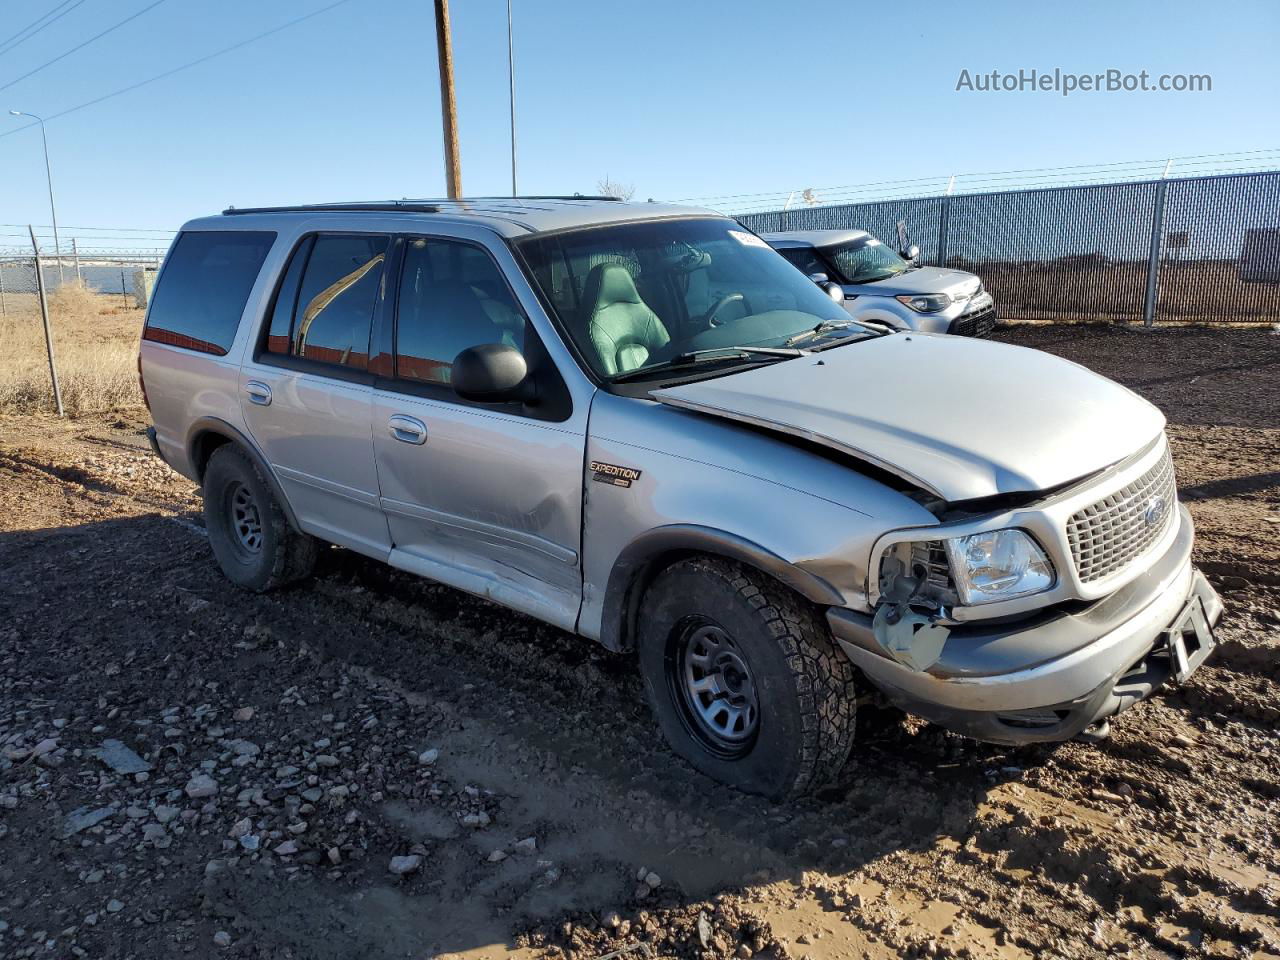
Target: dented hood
962,418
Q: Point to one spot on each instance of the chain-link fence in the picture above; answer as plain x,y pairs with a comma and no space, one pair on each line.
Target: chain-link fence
1191,249
70,327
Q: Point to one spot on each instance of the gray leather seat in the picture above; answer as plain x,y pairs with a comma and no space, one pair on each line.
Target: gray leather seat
622,328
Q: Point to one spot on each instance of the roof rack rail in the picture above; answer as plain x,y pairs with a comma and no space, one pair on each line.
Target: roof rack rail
405,206
385,205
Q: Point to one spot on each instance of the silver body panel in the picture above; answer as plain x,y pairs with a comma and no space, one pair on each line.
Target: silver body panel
963,418
778,466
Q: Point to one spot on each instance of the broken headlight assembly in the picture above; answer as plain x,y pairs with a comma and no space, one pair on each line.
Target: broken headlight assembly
980,568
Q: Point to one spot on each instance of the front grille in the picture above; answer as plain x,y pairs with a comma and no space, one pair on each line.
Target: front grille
1106,536
978,324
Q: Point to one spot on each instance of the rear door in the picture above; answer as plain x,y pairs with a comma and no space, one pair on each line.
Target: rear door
307,392
485,497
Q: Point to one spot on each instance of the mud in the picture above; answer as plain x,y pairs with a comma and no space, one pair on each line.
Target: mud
551,820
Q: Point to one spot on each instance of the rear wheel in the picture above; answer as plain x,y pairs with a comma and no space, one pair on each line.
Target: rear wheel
745,679
252,539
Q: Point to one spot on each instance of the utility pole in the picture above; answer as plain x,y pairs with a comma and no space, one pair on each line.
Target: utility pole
448,103
48,170
511,74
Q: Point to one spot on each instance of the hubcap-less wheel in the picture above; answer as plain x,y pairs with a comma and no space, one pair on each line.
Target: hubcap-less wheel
717,689
246,521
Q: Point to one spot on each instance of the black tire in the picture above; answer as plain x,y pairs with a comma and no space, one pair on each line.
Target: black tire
252,539
704,611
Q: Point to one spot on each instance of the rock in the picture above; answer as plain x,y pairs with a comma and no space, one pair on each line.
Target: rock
480,819
240,828
200,786
243,715
287,849
429,756
250,842
326,760
745,952
244,748
8,802
82,818
612,920
44,746
165,814
93,876
334,855
497,856
222,939
653,880
114,906
154,832
704,930
527,845
402,866
120,758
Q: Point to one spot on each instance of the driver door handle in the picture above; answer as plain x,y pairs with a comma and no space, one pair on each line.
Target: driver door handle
407,429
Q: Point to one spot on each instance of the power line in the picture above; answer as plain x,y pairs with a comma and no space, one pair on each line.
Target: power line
185,66
81,46
113,229
17,38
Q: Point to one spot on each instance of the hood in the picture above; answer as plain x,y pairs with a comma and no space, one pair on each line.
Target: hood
959,283
962,418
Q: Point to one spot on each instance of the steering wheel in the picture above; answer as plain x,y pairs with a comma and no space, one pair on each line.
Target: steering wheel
724,302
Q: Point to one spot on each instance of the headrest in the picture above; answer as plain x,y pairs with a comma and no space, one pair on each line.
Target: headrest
610,283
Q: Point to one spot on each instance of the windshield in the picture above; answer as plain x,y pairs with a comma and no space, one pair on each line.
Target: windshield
866,260
640,295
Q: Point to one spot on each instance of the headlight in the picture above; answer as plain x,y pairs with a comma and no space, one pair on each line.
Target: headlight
998,565
926,302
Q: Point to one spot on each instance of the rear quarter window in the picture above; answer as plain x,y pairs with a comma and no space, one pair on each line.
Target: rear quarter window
203,288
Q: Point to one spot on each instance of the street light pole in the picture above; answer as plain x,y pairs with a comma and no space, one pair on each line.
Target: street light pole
48,172
511,73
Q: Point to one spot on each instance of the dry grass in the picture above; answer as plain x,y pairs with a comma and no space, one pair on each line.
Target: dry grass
95,342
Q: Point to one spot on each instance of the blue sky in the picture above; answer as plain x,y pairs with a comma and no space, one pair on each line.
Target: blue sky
679,98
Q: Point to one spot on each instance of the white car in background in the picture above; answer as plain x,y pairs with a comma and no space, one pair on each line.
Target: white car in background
885,287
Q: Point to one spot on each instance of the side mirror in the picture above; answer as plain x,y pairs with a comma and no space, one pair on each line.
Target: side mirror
911,253
491,373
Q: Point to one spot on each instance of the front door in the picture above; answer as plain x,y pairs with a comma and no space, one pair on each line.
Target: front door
488,497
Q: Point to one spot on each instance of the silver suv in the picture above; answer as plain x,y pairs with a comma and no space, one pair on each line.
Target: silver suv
639,423
881,286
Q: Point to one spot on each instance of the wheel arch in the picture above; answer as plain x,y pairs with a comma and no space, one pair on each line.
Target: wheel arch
209,433
649,554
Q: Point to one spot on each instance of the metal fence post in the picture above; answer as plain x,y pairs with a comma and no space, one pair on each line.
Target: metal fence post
1153,260
4,308
75,253
44,315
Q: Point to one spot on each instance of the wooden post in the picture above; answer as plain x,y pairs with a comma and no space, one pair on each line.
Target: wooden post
75,253
448,103
4,309
44,314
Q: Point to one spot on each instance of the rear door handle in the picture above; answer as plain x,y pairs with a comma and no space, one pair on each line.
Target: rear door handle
258,392
407,429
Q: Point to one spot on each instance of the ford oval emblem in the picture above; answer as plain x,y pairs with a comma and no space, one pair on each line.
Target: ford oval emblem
1155,512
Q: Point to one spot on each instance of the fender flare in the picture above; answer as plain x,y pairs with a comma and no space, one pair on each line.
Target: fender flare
207,425
634,569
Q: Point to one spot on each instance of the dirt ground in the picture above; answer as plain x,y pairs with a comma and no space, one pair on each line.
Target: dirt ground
296,743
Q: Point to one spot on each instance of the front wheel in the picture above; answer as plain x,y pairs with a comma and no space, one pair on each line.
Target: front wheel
745,679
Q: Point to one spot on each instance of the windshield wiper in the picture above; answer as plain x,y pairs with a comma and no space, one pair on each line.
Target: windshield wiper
710,353
826,326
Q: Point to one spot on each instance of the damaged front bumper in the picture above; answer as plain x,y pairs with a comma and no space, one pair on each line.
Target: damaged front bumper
1054,676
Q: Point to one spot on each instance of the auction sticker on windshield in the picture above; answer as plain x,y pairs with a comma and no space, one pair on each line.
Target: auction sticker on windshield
748,239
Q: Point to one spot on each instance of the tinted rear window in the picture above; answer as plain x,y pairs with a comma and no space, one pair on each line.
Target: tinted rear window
203,288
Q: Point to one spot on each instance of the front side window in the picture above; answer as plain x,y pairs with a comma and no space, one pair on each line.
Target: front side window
452,296
805,259
866,260
202,291
645,295
327,298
